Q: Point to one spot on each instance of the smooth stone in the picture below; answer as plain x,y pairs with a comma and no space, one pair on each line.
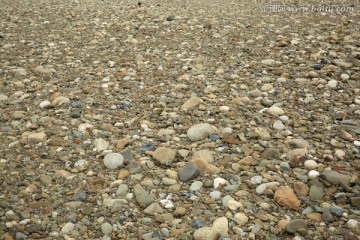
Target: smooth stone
310,164
335,178
122,190
221,224
262,187
200,131
205,155
274,110
153,209
278,125
45,179
316,193
196,186
37,137
142,197
101,144
192,103
106,228
294,225
113,160
205,233
286,197
20,236
215,195
3,97
188,172
164,155
67,228
327,216
299,143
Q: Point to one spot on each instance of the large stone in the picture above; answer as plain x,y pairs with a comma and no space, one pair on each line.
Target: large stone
163,155
336,178
286,197
200,131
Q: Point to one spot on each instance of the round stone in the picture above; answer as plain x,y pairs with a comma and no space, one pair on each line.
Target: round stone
113,160
106,228
310,164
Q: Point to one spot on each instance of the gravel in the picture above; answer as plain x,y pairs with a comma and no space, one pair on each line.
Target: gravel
178,120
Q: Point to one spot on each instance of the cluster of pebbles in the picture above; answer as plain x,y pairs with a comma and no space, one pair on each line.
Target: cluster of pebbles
178,120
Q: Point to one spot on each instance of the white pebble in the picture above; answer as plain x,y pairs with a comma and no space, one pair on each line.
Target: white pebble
224,109
233,205
344,76
284,118
44,104
113,160
256,180
357,143
310,164
219,182
352,224
313,174
215,195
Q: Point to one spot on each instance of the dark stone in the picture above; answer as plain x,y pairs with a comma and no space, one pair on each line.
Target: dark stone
170,18
188,172
147,147
198,224
34,228
214,137
135,167
80,197
294,225
337,211
327,216
316,66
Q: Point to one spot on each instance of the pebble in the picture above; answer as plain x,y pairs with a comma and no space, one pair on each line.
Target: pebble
293,226
196,186
200,131
310,164
192,103
67,228
164,155
316,193
37,137
106,228
113,160
142,196
188,172
101,144
274,110
286,197
335,178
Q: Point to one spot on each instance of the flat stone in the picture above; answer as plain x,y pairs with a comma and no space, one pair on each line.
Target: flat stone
295,225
